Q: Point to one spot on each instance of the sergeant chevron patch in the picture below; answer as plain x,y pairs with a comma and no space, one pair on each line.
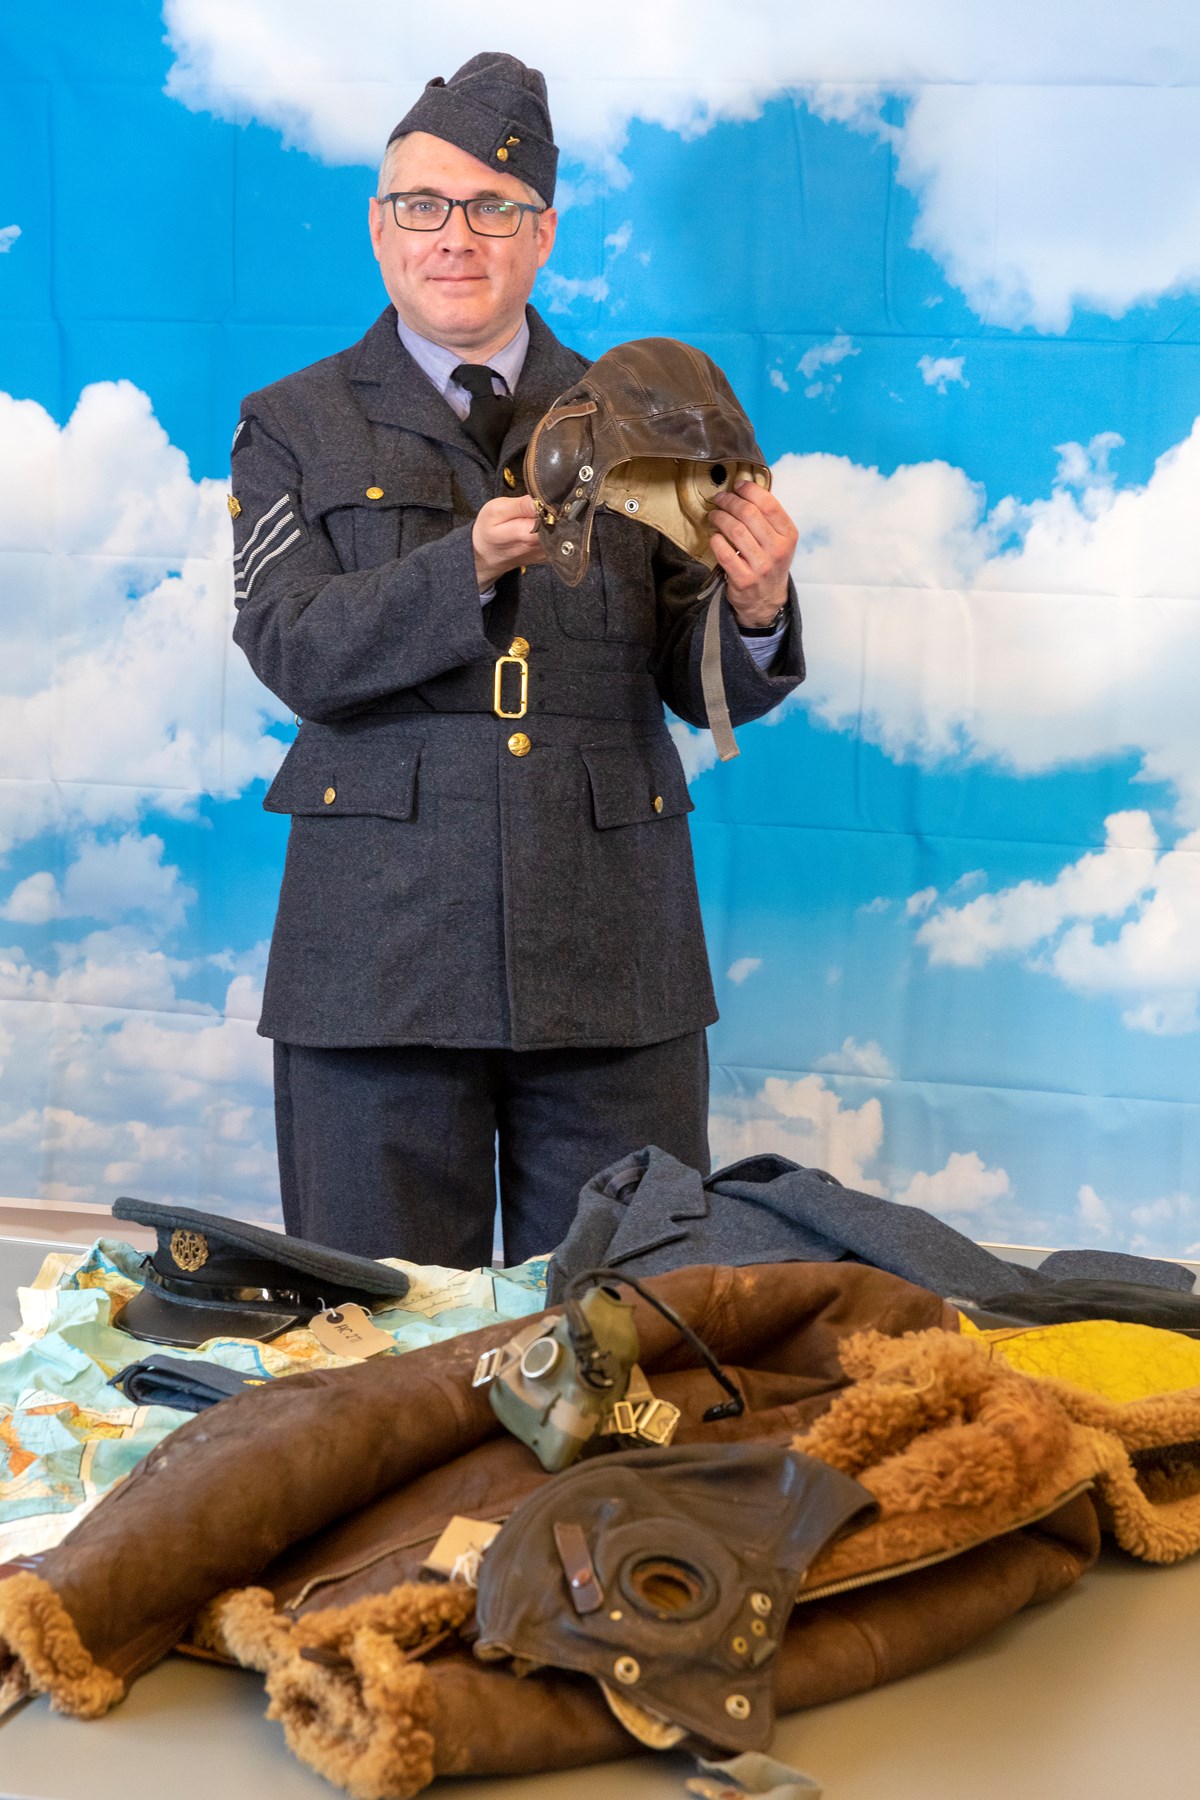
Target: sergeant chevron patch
273,534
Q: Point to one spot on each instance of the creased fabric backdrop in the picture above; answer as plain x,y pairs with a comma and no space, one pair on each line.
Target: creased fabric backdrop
950,262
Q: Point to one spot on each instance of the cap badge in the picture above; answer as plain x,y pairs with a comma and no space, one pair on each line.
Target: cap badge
235,506
190,1249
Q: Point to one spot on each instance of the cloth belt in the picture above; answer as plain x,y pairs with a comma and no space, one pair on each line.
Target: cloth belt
572,692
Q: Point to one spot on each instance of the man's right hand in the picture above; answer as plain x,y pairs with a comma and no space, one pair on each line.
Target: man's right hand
504,536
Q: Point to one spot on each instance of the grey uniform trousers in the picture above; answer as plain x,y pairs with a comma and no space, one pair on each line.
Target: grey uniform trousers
393,1151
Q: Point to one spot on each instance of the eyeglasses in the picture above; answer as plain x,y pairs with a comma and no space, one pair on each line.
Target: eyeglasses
487,216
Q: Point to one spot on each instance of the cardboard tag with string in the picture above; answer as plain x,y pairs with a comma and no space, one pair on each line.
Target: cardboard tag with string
348,1331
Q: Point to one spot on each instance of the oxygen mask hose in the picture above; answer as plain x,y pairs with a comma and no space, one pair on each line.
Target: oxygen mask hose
595,1366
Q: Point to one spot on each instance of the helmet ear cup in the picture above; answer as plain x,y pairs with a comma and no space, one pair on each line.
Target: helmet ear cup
561,446
697,485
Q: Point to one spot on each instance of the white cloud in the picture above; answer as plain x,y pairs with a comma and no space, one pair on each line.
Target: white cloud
823,356
940,371
121,687
1064,927
1094,1215
172,1101
8,237
1037,635
858,1059
561,291
1051,150
920,902
34,900
111,879
745,965
697,752
965,1185
1165,1226
806,1121
779,380
1103,884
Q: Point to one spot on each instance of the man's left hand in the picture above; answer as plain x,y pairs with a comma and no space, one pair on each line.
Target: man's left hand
754,541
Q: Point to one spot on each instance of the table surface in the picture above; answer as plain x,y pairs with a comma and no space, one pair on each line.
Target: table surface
1091,1697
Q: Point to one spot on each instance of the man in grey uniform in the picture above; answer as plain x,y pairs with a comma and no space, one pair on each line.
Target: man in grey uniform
487,928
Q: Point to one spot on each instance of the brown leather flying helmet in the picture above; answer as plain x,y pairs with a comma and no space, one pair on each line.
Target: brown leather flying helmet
653,431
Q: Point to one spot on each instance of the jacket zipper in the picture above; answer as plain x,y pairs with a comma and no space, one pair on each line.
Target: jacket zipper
323,1580
822,1593
927,1562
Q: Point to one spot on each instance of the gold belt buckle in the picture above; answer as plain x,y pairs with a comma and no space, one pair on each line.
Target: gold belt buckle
518,662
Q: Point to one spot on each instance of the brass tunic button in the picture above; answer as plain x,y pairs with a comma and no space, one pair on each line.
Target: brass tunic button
658,803
374,493
502,154
519,744
519,647
330,796
510,479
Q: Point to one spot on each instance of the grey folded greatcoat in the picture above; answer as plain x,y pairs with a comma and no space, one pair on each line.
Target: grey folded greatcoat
649,1213
440,888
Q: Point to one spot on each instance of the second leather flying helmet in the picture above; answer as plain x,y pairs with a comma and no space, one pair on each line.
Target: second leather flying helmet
652,431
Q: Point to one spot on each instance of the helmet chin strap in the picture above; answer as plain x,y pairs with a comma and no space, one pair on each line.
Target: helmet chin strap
712,681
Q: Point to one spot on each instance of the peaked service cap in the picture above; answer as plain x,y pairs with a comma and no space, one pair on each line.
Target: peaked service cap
495,108
215,1277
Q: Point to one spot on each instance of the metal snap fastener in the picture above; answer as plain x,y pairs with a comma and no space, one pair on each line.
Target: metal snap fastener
330,796
737,1706
567,549
627,1669
519,744
740,1646
761,1604
758,1627
586,473
632,506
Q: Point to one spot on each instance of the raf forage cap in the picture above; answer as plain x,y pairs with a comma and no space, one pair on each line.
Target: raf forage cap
494,108
210,1277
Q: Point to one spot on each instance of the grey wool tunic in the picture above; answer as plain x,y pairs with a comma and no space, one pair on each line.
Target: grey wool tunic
454,877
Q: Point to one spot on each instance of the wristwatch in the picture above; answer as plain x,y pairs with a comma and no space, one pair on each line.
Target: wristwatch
777,624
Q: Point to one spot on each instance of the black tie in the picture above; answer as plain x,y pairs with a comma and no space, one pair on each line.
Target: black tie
491,413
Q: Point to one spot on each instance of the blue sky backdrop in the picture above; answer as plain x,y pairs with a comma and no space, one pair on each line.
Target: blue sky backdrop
952,890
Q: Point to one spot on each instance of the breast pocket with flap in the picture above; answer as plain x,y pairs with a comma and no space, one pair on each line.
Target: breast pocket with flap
372,522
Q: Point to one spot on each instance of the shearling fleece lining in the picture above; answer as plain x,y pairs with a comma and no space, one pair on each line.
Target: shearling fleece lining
957,1448
354,1704
41,1653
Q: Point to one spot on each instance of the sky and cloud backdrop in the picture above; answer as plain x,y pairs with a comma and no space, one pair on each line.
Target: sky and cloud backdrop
951,263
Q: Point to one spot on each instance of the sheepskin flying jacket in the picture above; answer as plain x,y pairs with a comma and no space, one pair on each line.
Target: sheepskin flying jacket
283,1529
